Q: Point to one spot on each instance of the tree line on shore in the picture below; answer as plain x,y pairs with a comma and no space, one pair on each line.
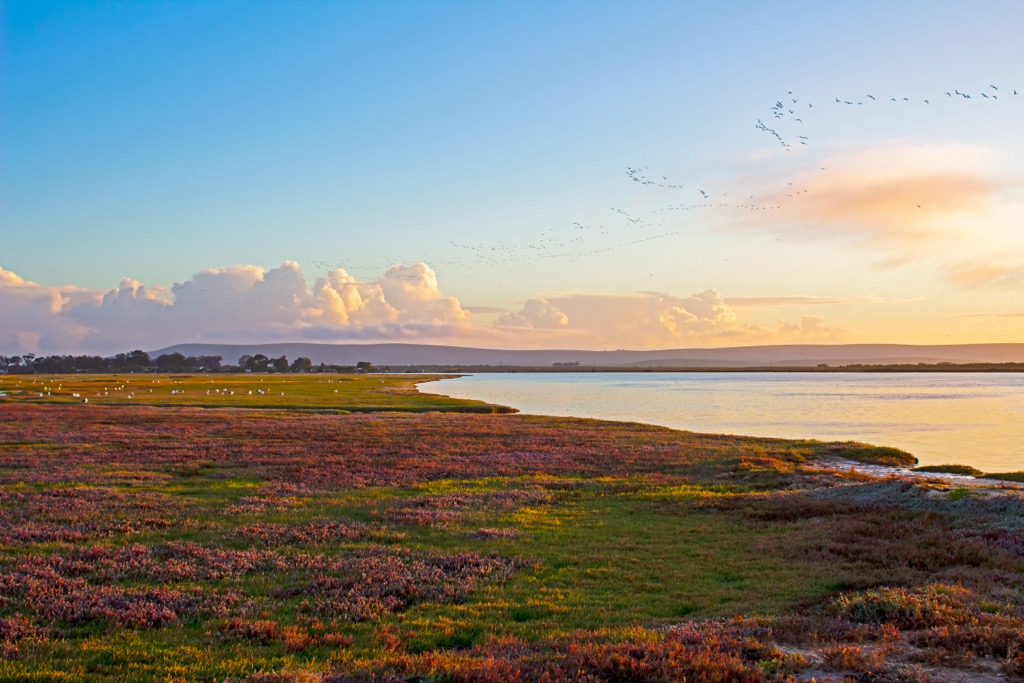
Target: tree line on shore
140,361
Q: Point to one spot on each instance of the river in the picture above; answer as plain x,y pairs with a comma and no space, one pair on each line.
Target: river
972,419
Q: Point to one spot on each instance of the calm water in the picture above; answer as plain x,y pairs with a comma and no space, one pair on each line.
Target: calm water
971,419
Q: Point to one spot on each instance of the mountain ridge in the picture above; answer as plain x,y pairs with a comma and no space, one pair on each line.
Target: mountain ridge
798,355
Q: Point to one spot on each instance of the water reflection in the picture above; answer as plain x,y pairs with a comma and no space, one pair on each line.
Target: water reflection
970,418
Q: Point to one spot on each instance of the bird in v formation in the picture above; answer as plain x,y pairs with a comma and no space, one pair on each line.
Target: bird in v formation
642,229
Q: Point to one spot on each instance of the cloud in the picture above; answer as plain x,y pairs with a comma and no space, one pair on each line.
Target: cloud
873,210
900,197
651,320
127,311
245,303
536,314
484,310
810,328
33,315
643,320
408,296
995,273
808,324
777,301
235,304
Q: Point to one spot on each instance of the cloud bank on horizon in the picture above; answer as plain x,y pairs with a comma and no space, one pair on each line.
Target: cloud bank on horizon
247,304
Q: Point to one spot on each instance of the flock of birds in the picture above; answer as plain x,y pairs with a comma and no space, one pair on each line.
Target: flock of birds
791,130
129,392
793,109
622,230
788,121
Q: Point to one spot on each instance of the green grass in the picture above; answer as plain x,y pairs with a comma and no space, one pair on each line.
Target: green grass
605,560
629,558
322,392
963,470
1006,476
871,455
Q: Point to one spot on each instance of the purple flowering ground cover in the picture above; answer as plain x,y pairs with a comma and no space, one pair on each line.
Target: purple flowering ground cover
182,543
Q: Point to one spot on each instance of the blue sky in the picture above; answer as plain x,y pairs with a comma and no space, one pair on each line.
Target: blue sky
491,141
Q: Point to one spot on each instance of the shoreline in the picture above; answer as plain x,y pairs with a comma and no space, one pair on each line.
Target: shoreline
936,457
885,471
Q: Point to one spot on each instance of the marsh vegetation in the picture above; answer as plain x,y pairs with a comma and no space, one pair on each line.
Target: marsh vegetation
174,542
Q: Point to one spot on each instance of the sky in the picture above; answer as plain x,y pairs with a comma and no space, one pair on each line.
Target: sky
563,174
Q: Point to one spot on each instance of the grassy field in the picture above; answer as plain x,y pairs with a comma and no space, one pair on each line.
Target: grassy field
154,542
328,392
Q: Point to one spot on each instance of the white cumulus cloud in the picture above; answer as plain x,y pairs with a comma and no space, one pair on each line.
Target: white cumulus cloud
642,320
235,304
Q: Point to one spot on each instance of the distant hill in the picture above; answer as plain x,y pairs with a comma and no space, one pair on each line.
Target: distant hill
799,355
